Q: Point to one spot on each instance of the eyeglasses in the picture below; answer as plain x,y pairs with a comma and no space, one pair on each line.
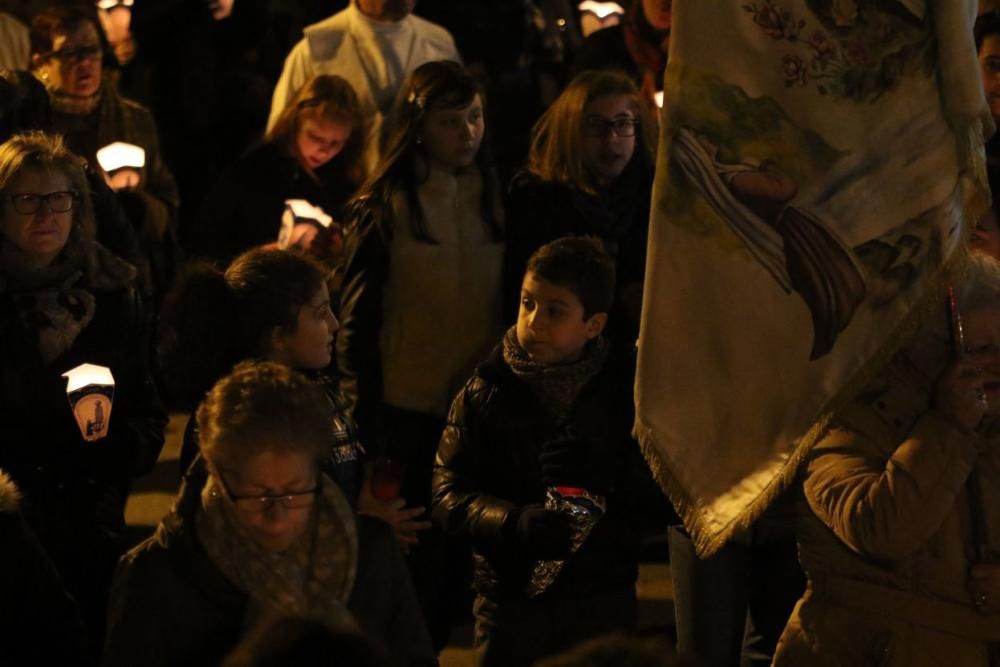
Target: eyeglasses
77,55
29,202
595,126
263,504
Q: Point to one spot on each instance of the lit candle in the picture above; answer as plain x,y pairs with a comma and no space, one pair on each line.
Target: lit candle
120,155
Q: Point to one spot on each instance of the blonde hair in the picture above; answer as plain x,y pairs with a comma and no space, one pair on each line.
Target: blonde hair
327,97
38,150
555,153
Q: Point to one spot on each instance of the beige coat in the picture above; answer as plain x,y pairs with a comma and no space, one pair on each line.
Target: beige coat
884,533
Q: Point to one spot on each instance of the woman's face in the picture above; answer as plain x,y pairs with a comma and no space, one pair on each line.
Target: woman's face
658,13
319,140
37,214
310,346
608,142
74,66
273,474
452,137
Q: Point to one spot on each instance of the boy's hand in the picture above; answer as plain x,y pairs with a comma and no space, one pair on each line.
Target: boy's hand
544,534
573,461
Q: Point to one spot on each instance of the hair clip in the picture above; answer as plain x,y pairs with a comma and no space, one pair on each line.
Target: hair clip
415,99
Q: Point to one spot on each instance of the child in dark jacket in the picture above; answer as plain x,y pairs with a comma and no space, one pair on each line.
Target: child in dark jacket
552,407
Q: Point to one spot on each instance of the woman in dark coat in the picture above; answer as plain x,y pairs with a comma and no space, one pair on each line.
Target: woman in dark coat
258,533
66,301
90,112
314,152
589,173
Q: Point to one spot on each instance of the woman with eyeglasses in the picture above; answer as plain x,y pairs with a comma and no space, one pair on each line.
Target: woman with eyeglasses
589,173
67,55
314,152
258,533
65,301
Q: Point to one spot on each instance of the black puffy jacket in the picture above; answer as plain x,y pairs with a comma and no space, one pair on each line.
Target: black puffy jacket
487,467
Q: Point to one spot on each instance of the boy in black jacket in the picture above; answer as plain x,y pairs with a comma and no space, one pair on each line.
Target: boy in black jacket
551,407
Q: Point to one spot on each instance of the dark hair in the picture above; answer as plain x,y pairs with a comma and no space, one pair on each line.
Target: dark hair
433,85
986,25
61,20
211,320
261,406
581,265
24,104
305,642
327,97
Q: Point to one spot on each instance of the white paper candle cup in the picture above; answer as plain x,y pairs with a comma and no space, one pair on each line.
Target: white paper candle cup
120,155
300,212
91,391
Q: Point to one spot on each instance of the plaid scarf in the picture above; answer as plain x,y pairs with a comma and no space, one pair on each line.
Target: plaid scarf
554,387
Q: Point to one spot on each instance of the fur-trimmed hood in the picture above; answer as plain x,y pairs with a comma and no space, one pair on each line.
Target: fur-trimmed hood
10,497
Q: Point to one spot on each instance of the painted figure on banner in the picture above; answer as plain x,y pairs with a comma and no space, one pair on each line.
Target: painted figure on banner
818,161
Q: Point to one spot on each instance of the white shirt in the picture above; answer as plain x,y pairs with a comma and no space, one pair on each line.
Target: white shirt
14,45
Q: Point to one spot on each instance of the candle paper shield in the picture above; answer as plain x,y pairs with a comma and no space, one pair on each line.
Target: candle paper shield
120,155
91,391
299,212
596,16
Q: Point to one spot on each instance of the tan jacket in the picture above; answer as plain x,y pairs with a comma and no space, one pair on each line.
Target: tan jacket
884,534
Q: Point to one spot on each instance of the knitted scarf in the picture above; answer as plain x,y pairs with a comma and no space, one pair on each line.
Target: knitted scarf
57,301
314,577
73,104
554,387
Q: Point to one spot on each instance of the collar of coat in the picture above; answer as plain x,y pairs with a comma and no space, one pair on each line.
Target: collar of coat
10,496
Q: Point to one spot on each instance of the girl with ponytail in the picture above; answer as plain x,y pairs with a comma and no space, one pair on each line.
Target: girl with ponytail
271,305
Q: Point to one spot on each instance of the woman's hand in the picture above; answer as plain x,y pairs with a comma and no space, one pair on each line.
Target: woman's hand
959,395
122,179
984,584
405,521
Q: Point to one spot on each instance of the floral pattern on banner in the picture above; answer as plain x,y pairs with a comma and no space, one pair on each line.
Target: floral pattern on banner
860,50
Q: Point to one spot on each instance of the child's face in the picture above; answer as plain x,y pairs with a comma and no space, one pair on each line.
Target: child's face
320,140
608,141
452,137
550,323
309,348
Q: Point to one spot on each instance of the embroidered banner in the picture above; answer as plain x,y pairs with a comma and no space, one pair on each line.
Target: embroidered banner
818,163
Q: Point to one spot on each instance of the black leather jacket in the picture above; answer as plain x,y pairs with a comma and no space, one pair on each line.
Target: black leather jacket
487,467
